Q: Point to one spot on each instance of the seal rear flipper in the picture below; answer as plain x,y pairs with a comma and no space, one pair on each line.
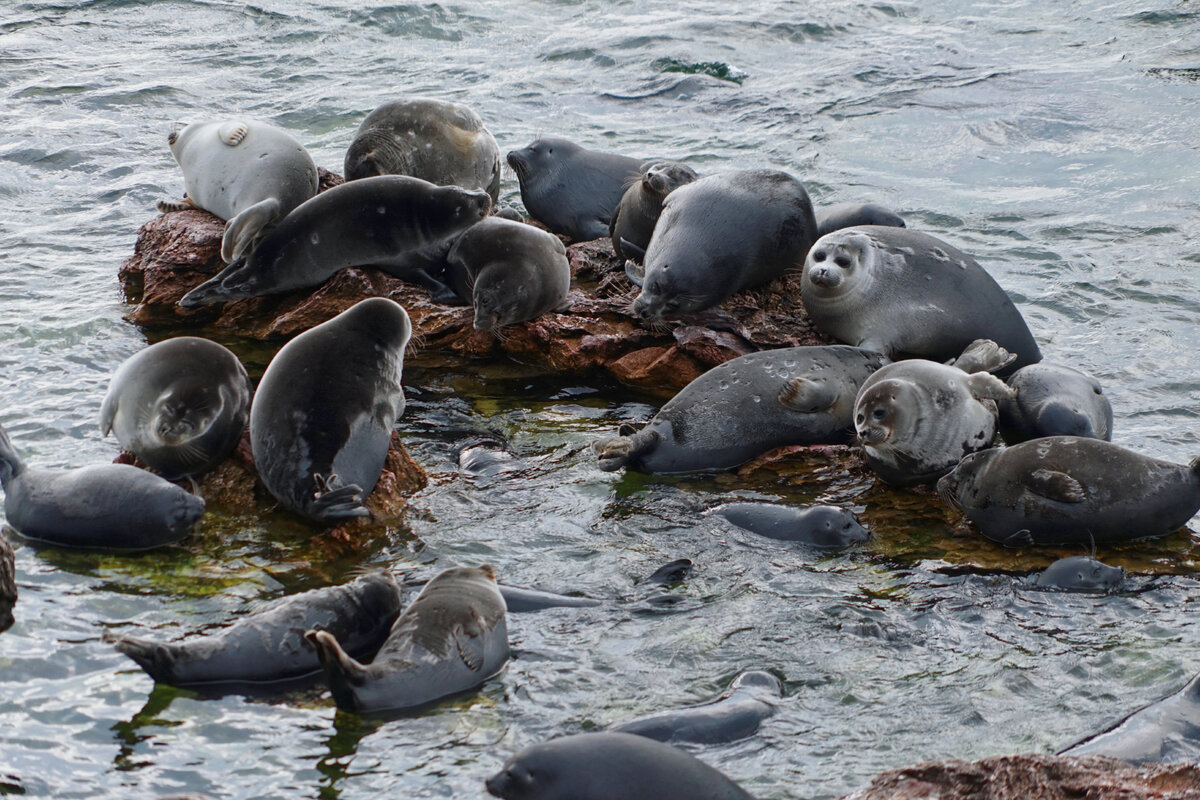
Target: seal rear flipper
633,249
342,672
619,451
108,413
246,228
11,464
231,283
983,355
156,658
808,396
1054,485
340,503
167,206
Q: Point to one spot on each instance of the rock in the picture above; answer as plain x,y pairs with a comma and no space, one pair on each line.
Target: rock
8,584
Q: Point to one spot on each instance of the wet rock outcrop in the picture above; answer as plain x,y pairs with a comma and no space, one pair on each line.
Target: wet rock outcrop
8,584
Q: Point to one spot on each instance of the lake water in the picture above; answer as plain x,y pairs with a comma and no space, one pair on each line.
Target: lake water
1056,144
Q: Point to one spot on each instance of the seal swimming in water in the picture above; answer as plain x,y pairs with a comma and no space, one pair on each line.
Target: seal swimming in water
636,214
1079,574
249,174
1053,400
736,714
451,639
819,526
323,414
1071,490
1164,731
180,405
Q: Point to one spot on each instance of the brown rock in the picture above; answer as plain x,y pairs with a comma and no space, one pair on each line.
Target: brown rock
8,584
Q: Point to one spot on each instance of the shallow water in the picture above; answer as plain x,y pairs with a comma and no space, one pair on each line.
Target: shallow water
1057,146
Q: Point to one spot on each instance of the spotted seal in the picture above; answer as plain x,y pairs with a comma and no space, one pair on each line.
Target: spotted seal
819,526
1053,400
736,714
636,214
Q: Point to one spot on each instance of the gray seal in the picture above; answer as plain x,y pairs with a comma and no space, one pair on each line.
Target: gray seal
106,506
323,414
249,174
1164,731
451,639
609,766
402,225
745,407
721,234
1071,490
736,714
435,140
818,526
848,215
1052,400
180,405
635,216
906,294
1079,574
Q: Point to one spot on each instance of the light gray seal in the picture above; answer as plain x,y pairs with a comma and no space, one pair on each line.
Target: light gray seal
435,140
1079,574
1071,490
721,234
736,714
324,411
1052,400
745,407
402,225
906,294
635,216
180,405
451,639
1167,730
249,174
848,215
818,526
916,419
106,506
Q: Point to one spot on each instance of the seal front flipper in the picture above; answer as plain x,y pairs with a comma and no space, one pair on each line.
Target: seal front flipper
470,647
808,396
985,386
11,464
108,413
233,132
983,355
635,272
633,248
1054,485
167,206
333,501
246,228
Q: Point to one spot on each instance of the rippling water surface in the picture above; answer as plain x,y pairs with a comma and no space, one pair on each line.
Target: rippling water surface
1057,145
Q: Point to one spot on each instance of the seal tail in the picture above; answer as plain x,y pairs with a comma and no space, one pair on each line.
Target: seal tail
11,464
341,670
156,658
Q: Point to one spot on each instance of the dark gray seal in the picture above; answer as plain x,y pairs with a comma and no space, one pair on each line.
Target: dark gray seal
399,224
435,140
107,506
736,714
451,639
8,583
1071,490
1165,731
1079,574
848,215
819,526
1053,400
635,216
743,408
721,234
609,766
906,294
180,405
324,411
570,189
268,645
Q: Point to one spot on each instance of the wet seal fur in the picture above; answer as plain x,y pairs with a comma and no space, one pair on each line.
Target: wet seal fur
323,414
736,714
1071,490
635,216
180,405
1054,400
818,526
1079,574
849,215
1165,731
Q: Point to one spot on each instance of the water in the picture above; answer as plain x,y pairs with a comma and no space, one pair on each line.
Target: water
1056,145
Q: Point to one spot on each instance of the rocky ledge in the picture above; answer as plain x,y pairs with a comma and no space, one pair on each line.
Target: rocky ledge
8,584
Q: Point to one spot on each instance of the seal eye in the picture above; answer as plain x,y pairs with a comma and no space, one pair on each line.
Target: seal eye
879,413
842,261
860,419
819,256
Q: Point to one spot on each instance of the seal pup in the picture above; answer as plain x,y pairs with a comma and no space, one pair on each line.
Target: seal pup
743,408
1165,731
268,645
1079,574
736,714
249,174
721,234
906,294
1053,400
323,415
848,215
916,419
435,140
819,526
106,506
451,639
401,225
180,405
634,218
609,766
1071,490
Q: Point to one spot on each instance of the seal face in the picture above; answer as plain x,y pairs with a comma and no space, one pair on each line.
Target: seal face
1164,731
324,411
249,174
451,639
438,141
819,526
180,405
1071,490
1079,574
635,216
907,294
736,714
848,215
1054,400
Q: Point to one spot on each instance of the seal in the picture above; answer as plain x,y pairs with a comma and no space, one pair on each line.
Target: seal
8,584
401,225
634,218
249,174
1164,731
1052,400
451,639
519,600
570,189
180,405
906,294
609,766
322,417
1079,574
106,506
736,714
848,215
818,526
511,272
268,645
1071,490
721,234
435,140
743,408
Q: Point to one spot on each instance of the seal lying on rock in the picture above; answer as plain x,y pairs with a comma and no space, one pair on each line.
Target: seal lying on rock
848,215
736,714
819,526
1053,400
1167,730
635,216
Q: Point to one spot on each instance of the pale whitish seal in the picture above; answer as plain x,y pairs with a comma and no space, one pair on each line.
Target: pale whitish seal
905,293
402,225
736,714
721,234
1052,400
848,215
635,216
107,506
609,766
819,526
1071,490
1167,730
180,405
451,639
743,408
323,414
249,174
435,140
1079,574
